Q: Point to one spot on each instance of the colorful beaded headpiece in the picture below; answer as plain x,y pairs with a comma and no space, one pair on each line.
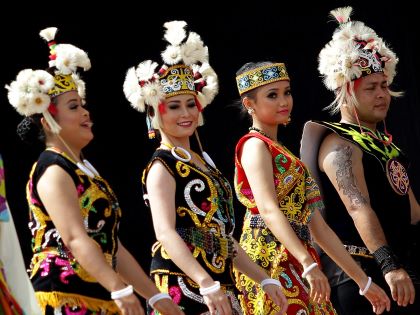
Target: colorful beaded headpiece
32,90
185,71
263,75
354,51
178,80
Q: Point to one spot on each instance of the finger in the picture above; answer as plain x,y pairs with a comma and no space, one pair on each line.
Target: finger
405,295
400,295
412,293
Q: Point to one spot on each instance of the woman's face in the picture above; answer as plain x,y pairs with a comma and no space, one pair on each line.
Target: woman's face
74,120
180,116
273,103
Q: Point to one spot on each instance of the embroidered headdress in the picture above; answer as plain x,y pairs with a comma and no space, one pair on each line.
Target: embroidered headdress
185,70
260,76
354,51
32,91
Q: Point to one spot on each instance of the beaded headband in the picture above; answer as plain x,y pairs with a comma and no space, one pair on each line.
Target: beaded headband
261,76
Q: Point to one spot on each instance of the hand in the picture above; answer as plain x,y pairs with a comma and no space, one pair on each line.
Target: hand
378,298
402,289
320,288
276,295
168,307
218,303
129,305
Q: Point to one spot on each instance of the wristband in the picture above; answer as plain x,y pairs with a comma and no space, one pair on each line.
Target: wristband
366,287
116,295
386,259
270,281
158,297
308,269
209,290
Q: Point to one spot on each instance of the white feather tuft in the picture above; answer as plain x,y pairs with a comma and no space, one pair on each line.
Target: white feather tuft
70,57
342,15
172,55
132,90
193,50
145,70
28,94
175,32
81,85
48,34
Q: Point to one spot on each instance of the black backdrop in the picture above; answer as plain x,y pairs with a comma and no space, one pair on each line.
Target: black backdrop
121,35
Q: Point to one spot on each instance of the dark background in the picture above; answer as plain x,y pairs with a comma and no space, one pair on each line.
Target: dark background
121,35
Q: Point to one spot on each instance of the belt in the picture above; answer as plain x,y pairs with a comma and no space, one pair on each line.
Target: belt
301,230
358,251
208,241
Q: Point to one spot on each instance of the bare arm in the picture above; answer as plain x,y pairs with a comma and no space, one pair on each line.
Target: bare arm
244,264
257,164
59,196
331,244
342,162
161,191
129,270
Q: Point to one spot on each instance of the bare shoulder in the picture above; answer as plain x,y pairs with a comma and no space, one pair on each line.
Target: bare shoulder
254,143
334,148
158,175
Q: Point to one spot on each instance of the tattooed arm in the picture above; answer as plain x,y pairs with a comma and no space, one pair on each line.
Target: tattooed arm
342,162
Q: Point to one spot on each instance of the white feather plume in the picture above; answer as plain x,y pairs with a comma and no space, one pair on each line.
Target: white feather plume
81,85
27,94
342,15
145,70
339,59
132,90
193,50
172,55
70,57
48,34
175,32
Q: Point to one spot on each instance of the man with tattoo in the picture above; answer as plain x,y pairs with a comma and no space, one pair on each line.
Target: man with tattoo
362,173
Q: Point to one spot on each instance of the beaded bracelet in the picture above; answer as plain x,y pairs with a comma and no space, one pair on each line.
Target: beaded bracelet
209,290
366,287
116,295
270,281
308,269
158,297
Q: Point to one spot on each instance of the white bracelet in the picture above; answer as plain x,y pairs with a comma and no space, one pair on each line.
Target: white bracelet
270,281
368,284
308,269
116,295
158,297
209,290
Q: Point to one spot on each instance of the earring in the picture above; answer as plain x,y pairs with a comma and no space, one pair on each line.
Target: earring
250,110
287,122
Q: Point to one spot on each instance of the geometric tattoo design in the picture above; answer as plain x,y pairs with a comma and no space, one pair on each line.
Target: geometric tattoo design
345,178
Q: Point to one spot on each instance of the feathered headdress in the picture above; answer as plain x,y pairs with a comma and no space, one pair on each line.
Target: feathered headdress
32,90
354,51
185,70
